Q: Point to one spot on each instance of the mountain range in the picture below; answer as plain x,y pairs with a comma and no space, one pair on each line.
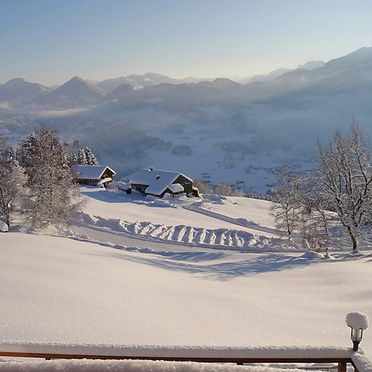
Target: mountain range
219,130
351,71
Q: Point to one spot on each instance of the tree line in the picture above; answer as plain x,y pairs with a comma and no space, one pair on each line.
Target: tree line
313,205
37,179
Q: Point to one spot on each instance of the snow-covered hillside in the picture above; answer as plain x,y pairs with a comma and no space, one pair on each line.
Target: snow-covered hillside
104,282
212,221
56,289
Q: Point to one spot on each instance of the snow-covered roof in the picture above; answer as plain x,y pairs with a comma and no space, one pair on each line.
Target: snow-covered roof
91,172
158,189
157,180
176,187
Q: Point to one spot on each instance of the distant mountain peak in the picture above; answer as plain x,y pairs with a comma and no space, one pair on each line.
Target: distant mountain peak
15,81
311,65
20,91
75,91
76,80
360,55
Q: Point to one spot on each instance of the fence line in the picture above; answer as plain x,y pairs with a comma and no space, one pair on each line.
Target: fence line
341,356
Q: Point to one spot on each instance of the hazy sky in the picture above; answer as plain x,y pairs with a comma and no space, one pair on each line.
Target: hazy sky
50,41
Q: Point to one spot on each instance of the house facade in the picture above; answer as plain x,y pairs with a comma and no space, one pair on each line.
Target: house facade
158,183
94,175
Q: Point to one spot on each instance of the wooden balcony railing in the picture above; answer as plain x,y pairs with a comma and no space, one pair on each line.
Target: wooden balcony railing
340,356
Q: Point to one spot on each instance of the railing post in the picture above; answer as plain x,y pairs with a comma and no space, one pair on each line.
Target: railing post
341,367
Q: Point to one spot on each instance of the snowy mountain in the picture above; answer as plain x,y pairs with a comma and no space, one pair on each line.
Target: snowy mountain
241,134
19,90
122,92
353,71
267,77
74,92
141,81
311,65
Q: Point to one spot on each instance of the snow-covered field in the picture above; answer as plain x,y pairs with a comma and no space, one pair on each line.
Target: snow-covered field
170,211
62,290
214,221
103,285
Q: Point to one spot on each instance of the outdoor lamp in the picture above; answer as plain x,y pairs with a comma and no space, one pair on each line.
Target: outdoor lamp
358,322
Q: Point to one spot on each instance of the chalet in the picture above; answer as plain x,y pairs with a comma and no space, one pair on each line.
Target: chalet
159,182
94,175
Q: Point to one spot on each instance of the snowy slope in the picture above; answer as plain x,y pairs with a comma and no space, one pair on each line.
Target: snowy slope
135,207
56,289
213,221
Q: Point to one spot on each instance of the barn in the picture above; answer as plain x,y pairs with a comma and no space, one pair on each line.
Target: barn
94,175
160,182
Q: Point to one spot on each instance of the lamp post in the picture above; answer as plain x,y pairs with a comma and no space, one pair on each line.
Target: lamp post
358,322
356,337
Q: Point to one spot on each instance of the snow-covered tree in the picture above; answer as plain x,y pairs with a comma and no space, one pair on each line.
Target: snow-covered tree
226,190
71,152
50,179
314,218
286,209
299,208
86,157
344,179
203,187
12,183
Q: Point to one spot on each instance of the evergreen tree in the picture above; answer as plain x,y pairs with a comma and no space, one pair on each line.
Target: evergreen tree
86,157
91,158
81,157
12,183
50,179
71,152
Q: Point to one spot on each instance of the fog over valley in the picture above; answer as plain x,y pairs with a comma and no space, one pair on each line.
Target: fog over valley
237,132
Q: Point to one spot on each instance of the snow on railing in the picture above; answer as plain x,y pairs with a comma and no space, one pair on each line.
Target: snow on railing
179,352
361,363
205,354
239,355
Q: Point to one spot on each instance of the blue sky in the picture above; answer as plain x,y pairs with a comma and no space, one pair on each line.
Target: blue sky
50,41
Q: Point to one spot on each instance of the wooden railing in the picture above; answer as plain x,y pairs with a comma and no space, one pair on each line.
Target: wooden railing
339,356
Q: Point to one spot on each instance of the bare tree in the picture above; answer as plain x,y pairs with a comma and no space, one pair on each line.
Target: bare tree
12,183
50,179
286,209
227,190
203,187
344,179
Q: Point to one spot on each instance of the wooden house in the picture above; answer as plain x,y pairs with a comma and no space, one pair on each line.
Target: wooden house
96,175
159,182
